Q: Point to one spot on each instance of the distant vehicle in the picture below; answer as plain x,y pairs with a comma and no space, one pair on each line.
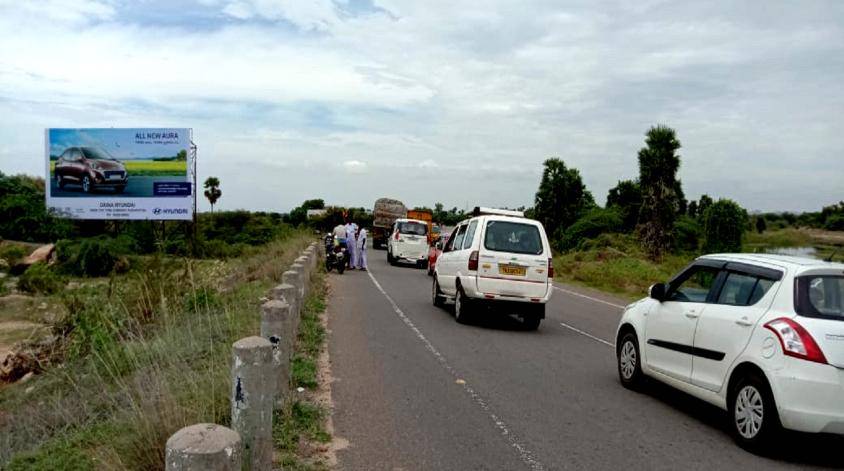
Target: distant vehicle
434,252
91,168
761,336
423,215
384,215
496,262
408,243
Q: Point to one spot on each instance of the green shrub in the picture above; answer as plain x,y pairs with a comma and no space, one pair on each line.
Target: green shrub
12,254
834,223
723,227
38,278
686,234
95,258
594,223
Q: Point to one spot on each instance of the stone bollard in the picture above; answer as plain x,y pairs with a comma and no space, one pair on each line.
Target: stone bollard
275,327
288,293
203,447
252,400
293,277
303,278
306,273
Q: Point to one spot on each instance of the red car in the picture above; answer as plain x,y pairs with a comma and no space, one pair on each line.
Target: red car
90,168
434,252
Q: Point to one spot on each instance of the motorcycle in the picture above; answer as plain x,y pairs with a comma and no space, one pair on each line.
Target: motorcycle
336,255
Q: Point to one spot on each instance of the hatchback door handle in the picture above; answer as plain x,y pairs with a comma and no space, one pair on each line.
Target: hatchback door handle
692,314
744,322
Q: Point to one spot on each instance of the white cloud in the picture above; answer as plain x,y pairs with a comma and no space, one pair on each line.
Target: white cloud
355,166
305,14
424,93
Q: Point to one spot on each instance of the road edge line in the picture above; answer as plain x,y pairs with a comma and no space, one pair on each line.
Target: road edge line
587,334
574,293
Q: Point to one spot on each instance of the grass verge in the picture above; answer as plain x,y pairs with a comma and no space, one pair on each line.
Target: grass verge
299,431
142,357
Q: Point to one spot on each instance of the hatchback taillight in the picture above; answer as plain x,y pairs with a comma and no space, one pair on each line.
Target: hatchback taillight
397,235
550,268
473,261
795,340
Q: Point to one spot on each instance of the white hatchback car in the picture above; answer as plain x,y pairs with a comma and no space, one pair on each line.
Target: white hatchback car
761,336
408,243
497,261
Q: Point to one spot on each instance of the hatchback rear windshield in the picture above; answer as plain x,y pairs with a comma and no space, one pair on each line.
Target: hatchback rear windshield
820,296
413,228
96,154
513,237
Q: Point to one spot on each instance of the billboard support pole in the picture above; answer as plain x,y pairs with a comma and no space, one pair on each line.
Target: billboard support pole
193,148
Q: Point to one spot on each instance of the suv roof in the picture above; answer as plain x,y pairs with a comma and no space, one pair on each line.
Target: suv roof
784,261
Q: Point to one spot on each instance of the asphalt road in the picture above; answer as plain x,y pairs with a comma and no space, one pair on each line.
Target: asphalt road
413,389
138,186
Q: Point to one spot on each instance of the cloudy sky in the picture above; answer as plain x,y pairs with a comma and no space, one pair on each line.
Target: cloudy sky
451,101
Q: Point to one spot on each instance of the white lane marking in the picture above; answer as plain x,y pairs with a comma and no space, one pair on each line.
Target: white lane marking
573,293
525,454
587,334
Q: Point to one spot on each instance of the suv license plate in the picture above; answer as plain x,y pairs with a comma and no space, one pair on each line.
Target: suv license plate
512,270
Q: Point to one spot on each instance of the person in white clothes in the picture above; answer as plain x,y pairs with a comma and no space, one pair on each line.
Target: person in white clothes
351,244
361,249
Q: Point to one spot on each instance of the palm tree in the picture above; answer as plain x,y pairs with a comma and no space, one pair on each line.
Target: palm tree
212,190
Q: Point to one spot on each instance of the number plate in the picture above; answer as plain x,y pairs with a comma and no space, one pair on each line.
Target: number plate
512,270
114,177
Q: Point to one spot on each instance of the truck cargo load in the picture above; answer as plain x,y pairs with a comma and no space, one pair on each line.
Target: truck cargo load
384,214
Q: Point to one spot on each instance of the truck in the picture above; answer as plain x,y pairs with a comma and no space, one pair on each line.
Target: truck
384,215
423,215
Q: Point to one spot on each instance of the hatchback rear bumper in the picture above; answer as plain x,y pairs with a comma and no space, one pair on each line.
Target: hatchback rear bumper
809,396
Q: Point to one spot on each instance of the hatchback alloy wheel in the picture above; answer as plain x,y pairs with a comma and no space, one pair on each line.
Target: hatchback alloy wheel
749,412
627,360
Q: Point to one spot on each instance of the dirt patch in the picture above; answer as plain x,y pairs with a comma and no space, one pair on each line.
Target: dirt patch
12,332
322,395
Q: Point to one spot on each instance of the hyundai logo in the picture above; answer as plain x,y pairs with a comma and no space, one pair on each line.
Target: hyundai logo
156,211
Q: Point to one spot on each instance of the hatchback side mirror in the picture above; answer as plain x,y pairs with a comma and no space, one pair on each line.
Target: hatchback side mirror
657,291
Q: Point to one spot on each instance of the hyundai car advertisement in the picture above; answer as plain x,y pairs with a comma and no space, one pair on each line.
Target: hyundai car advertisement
113,173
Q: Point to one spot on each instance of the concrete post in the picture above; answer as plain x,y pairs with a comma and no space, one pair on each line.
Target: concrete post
310,252
303,283
306,273
275,327
293,277
203,447
290,294
252,400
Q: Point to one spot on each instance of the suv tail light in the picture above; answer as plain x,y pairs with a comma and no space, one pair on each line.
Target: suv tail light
550,268
795,340
473,261
397,235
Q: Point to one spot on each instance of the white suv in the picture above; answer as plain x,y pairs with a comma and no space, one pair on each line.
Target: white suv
408,242
761,336
496,261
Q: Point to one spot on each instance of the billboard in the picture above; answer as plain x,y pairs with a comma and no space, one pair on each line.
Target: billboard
112,173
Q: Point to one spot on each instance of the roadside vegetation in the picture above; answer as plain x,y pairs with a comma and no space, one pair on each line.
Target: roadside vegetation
122,334
648,230
299,431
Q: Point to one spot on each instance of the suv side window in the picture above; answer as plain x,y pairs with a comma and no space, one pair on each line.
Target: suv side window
694,285
458,238
449,246
470,234
75,155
